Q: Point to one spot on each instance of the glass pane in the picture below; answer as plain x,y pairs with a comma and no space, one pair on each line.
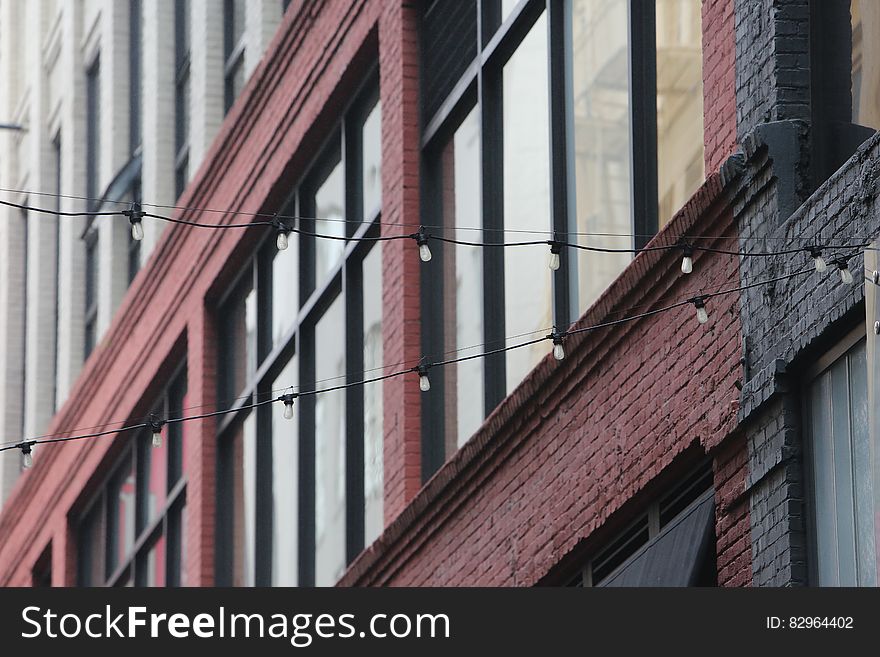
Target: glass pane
91,547
285,481
841,434
183,577
155,564
528,299
823,481
680,165
285,289
507,7
122,499
176,432
463,283
866,63
372,164
600,140
238,343
861,459
244,444
373,425
330,213
330,447
154,467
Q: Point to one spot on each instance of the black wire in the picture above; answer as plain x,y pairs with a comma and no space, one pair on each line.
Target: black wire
584,329
28,208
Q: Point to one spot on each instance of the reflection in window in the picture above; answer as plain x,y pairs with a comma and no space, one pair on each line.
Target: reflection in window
285,483
285,289
238,341
155,566
244,452
463,282
528,301
330,446
373,425
841,467
330,212
600,139
866,63
680,165
122,517
153,467
372,164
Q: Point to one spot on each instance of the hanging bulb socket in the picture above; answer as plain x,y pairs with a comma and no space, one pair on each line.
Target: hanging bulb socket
424,381
287,400
700,305
818,260
687,261
558,349
282,230
27,454
135,216
555,261
846,276
156,429
421,239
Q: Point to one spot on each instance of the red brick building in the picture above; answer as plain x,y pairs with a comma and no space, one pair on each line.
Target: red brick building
631,461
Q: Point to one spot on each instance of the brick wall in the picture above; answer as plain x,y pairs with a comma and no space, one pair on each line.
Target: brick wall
719,96
578,439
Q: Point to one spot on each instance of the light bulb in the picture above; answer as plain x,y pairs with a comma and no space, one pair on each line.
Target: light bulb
702,315
157,438
137,231
28,459
281,241
687,265
425,252
554,261
288,409
820,263
558,351
875,277
846,275
424,382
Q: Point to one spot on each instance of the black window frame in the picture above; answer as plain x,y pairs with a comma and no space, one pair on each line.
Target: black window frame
135,67
168,521
343,282
480,87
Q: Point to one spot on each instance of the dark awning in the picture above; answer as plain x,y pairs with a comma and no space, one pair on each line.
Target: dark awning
675,556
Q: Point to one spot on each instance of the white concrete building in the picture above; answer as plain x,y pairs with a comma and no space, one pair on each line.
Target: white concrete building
101,102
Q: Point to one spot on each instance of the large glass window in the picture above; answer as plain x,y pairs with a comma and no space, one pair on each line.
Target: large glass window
841,471
305,494
865,15
132,532
182,41
233,48
587,120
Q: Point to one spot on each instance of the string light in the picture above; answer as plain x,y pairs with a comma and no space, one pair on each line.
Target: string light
135,215
554,261
421,239
283,230
687,261
558,350
846,276
25,448
700,305
156,429
287,400
424,381
818,260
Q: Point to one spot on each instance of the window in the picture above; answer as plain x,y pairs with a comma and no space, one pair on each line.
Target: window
134,246
135,88
546,117
91,290
41,576
305,495
672,544
181,94
233,49
839,458
93,131
132,532
865,19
